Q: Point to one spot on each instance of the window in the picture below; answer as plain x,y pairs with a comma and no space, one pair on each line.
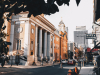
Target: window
31,45
31,53
19,30
18,44
32,31
51,39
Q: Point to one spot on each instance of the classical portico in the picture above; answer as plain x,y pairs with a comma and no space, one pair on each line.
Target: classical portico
43,38
42,43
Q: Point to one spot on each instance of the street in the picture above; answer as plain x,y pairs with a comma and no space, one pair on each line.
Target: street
35,70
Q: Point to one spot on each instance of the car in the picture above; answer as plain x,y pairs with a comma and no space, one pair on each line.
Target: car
65,61
71,61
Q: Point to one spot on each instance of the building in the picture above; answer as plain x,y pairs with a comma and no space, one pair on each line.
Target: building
80,37
63,40
71,49
80,28
32,37
96,30
36,38
57,45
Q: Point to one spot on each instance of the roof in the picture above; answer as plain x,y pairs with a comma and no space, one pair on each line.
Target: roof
61,22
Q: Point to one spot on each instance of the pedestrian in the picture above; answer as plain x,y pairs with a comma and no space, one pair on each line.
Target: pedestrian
46,60
53,62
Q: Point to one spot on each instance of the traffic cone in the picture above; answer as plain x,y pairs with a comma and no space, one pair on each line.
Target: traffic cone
69,72
76,70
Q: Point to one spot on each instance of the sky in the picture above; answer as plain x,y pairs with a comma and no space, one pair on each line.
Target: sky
73,16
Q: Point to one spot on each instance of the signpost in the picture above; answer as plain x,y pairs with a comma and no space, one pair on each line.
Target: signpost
90,36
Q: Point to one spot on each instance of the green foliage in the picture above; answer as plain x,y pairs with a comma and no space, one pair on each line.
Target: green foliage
35,7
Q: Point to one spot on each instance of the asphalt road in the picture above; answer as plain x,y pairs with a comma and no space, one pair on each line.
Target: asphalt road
49,70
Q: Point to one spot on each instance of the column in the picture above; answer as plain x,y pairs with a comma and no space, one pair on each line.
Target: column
40,42
11,38
53,46
48,44
45,43
36,45
27,39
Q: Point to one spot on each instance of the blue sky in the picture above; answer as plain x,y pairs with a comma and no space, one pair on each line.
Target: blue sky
73,16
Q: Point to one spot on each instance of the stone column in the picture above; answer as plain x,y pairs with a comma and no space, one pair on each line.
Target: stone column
48,44
40,42
36,44
11,38
45,44
53,46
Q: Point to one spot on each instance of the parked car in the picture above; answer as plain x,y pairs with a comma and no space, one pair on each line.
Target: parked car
65,61
71,61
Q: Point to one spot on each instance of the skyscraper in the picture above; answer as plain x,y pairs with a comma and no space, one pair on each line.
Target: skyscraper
80,36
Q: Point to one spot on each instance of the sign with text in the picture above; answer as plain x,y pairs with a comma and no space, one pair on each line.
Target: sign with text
90,36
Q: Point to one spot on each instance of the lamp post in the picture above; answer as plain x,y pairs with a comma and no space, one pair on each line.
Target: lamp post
84,48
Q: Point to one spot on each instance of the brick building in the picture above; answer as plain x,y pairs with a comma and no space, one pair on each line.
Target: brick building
63,40
57,45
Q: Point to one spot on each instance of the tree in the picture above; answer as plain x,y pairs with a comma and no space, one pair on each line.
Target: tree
35,7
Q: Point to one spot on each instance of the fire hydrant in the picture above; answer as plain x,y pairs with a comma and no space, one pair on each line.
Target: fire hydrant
69,72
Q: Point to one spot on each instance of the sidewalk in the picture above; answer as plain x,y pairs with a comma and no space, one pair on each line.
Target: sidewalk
87,70
30,66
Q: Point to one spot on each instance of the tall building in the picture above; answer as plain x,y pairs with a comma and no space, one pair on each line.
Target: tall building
80,37
63,40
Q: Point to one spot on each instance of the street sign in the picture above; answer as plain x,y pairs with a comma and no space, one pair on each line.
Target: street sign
90,36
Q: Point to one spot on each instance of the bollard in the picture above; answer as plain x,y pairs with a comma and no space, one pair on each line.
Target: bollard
69,72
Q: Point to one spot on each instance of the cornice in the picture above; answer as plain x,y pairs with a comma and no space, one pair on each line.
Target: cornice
41,25
44,20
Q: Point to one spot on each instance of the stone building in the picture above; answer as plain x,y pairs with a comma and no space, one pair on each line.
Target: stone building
32,37
36,38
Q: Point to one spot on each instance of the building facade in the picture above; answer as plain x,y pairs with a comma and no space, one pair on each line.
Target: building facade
63,40
57,45
36,38
32,37
80,37
71,49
